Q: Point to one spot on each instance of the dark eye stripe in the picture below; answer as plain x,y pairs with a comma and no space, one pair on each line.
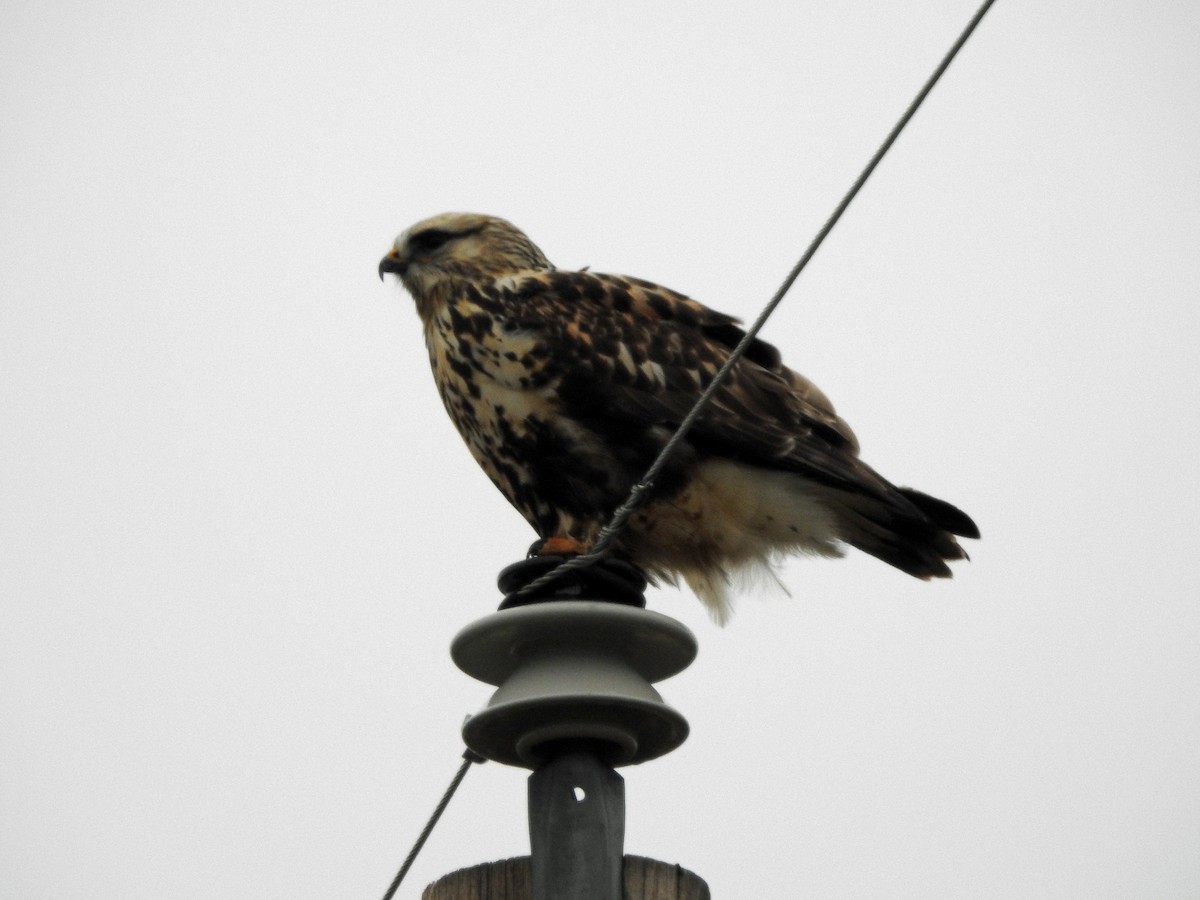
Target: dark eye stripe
430,239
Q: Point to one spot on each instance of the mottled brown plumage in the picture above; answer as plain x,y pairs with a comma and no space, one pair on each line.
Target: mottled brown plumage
566,384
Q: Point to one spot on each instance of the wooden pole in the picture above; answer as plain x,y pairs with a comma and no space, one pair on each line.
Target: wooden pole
510,879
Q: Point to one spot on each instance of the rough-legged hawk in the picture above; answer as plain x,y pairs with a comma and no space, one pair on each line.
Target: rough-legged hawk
565,385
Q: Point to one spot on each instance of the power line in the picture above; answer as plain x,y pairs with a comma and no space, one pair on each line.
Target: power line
469,758
640,492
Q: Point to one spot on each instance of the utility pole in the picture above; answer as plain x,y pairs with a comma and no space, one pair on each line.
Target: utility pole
574,665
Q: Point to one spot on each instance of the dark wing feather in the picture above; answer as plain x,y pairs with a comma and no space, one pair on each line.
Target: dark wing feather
641,354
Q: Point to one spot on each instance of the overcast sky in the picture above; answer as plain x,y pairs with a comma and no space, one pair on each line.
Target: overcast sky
238,532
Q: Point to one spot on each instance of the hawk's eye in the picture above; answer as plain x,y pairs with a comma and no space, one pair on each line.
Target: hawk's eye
429,240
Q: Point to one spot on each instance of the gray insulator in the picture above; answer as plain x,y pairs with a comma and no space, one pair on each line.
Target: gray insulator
574,670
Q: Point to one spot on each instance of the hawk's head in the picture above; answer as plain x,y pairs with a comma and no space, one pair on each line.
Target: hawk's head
460,246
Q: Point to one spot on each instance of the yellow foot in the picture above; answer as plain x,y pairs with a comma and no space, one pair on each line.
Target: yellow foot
557,546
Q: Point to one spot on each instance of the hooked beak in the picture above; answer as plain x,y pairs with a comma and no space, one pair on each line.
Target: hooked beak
392,263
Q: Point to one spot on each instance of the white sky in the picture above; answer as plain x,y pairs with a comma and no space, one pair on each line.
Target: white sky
237,531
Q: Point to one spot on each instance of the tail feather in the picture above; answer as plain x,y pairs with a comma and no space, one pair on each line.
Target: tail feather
949,517
735,521
907,529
